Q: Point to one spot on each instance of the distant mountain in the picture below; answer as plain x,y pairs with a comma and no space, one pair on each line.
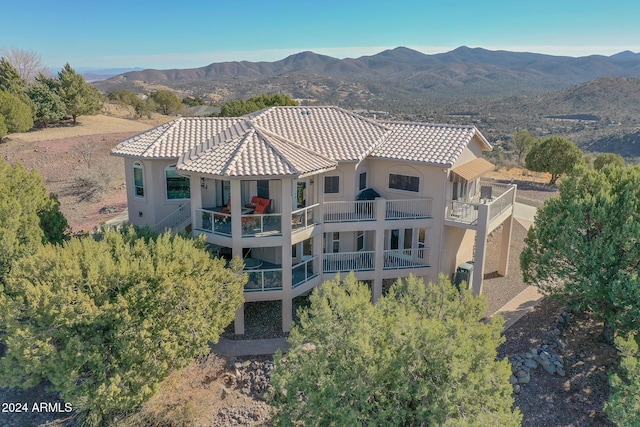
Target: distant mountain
91,74
399,75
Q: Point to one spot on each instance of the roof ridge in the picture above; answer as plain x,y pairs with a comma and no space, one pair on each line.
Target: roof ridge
288,141
239,149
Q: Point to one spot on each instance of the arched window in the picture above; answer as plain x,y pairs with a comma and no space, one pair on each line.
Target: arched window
138,180
177,185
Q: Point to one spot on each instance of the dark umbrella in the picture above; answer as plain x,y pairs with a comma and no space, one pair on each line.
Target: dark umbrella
368,194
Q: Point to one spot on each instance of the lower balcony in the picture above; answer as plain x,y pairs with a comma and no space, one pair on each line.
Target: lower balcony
498,198
264,276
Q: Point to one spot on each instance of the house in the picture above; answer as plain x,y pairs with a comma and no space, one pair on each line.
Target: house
305,193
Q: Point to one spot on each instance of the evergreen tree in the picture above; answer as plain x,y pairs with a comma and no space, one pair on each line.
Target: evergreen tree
585,246
166,102
47,104
10,80
79,97
419,356
623,406
605,159
104,319
24,203
16,114
555,155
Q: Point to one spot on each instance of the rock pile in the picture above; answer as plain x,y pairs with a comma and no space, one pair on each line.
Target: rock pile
251,377
543,357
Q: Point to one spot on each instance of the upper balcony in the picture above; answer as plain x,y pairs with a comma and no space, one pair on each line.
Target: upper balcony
379,209
499,199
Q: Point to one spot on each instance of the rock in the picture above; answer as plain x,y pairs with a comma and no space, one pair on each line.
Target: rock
513,379
530,363
560,371
517,388
551,368
525,379
521,373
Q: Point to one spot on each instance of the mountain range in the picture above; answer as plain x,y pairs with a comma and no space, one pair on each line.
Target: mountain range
461,73
499,91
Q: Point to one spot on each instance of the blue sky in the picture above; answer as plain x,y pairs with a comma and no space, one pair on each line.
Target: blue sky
194,33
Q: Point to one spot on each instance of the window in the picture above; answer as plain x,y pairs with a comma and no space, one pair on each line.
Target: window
331,242
177,185
138,180
404,182
360,241
363,181
331,184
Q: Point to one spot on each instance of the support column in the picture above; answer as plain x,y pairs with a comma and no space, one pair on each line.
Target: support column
287,292
380,206
481,248
238,323
505,246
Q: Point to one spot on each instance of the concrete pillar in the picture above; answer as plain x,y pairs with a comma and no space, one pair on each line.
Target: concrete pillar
481,248
505,246
287,292
380,207
238,324
236,223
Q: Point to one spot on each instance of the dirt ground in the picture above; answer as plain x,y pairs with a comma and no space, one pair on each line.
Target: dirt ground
63,154
66,153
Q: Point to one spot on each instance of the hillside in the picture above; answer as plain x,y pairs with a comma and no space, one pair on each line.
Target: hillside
396,75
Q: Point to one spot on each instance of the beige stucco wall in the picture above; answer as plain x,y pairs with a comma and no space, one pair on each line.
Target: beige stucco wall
154,206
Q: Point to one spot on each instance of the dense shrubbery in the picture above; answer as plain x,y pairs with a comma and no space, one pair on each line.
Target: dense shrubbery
104,319
419,356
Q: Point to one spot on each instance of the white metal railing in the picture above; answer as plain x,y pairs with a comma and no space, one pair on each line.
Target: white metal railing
305,217
408,209
462,211
263,280
406,258
303,272
175,218
258,225
348,261
356,210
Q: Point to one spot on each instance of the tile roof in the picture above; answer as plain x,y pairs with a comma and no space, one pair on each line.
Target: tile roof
247,150
330,131
172,139
427,143
295,140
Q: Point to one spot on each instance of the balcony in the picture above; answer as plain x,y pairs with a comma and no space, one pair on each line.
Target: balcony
466,213
348,261
304,218
253,225
268,277
396,259
373,210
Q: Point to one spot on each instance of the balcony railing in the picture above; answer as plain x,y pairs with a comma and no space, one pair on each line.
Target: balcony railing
348,211
501,204
258,225
176,218
213,222
348,261
303,272
264,280
408,209
467,212
304,218
406,258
